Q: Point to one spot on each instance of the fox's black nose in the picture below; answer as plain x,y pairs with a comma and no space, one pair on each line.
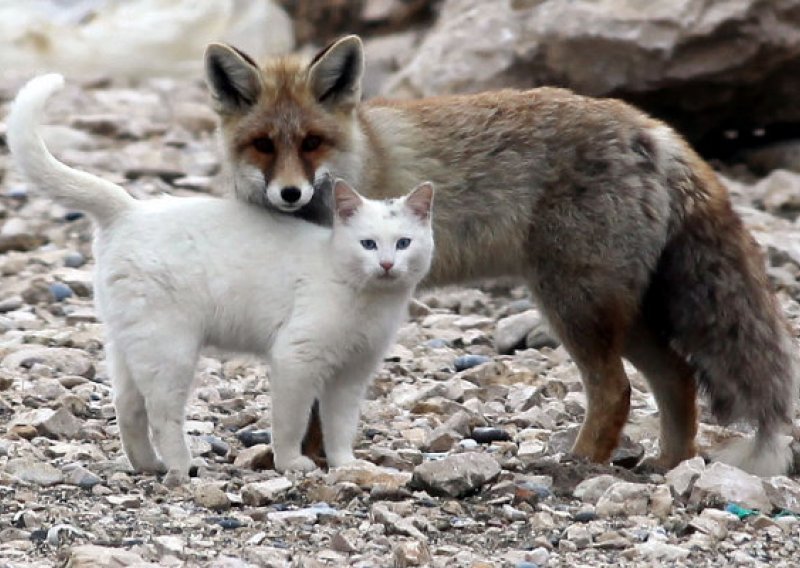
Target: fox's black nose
290,194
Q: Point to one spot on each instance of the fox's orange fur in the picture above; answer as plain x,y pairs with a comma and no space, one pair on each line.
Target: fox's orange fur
624,234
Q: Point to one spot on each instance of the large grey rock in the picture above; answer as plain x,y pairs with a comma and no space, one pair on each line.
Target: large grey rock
723,482
63,360
625,498
683,475
368,475
48,422
590,490
697,62
34,471
512,331
92,556
456,475
783,493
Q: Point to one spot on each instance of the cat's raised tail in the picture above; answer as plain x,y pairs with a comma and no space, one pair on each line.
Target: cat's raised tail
100,198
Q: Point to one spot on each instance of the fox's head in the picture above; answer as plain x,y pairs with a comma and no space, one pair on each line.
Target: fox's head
288,124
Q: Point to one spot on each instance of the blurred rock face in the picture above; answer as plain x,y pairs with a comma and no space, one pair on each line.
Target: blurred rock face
702,65
135,38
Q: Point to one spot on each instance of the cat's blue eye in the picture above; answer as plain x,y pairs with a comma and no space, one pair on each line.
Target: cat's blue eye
369,244
403,243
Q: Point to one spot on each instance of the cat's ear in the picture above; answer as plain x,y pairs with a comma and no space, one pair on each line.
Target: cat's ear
334,74
346,200
420,200
233,78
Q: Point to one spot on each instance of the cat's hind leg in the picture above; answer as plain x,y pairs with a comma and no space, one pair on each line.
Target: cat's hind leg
131,415
162,366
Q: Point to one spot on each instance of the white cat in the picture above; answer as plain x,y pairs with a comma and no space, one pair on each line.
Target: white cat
177,274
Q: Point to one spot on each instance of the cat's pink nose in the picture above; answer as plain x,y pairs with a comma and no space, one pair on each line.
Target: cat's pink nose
387,265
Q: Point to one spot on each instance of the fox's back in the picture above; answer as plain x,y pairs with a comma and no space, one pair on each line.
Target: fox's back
501,159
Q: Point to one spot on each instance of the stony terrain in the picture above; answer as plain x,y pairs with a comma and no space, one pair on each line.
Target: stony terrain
463,438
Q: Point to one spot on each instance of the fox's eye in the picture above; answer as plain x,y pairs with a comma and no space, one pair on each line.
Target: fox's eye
264,145
311,143
369,244
403,243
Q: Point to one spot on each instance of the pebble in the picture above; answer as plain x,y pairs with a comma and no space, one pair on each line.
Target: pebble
468,361
253,437
256,457
487,435
265,492
367,475
74,260
529,492
227,523
218,446
168,545
584,516
661,551
60,291
306,515
11,303
75,474
456,475
411,553
210,496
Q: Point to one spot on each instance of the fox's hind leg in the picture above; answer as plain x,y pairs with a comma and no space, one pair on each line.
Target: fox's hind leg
672,383
131,415
595,343
592,324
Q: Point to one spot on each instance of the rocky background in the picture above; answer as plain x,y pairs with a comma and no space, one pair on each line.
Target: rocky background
464,434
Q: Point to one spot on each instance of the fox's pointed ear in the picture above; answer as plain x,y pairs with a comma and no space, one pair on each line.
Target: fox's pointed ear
346,200
232,77
420,200
334,74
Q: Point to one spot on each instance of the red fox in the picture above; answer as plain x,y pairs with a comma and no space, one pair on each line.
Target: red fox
625,236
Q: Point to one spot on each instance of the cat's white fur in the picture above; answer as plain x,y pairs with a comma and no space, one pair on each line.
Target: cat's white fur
177,274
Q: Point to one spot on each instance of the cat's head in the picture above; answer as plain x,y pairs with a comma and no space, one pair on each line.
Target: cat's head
383,244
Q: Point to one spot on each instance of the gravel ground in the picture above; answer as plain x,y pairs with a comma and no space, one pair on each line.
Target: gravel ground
463,437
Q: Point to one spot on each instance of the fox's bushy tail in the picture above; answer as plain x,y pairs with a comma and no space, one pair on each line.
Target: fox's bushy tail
711,296
99,198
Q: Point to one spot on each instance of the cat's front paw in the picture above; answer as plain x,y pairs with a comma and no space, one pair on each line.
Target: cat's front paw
176,478
301,463
340,459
